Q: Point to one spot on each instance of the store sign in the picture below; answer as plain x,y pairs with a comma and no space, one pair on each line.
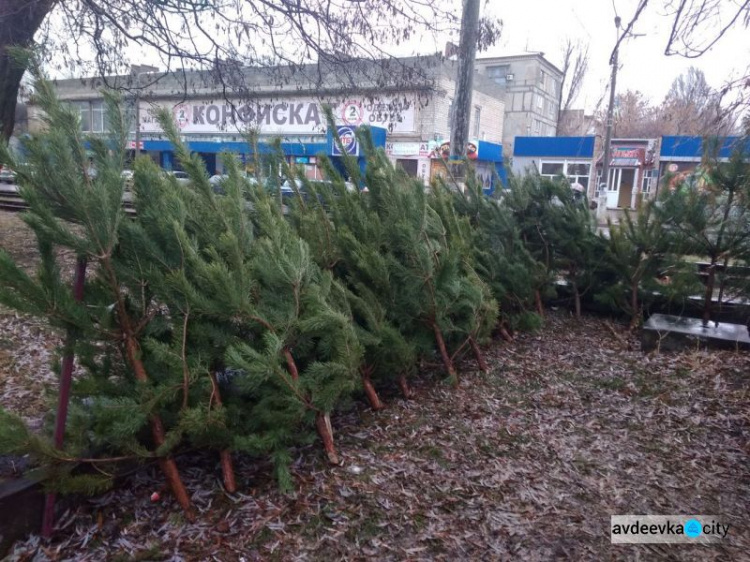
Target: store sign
394,113
348,142
414,149
270,117
626,152
281,116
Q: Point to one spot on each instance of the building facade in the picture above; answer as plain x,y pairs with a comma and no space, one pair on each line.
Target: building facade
291,107
532,94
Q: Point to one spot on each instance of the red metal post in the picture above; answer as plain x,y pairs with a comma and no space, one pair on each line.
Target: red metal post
66,378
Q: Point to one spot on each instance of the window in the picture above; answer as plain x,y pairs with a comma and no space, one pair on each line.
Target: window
477,116
539,102
551,107
93,115
649,178
499,74
553,87
537,126
576,172
450,113
542,79
552,168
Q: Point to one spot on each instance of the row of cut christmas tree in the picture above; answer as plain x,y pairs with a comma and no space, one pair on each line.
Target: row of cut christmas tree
233,323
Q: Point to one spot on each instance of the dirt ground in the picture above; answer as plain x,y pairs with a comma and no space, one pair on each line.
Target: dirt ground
27,345
528,462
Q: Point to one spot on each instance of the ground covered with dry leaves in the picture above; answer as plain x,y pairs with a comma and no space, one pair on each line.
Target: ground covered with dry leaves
528,462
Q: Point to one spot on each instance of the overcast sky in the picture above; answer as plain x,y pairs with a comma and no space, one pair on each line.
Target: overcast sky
543,25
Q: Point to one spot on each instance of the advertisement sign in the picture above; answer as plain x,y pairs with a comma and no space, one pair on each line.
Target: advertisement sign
444,150
298,116
413,149
280,116
348,140
394,113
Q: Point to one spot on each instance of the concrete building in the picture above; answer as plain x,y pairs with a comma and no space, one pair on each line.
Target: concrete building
410,98
532,94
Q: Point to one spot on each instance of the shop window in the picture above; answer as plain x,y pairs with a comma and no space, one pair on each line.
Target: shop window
576,172
552,169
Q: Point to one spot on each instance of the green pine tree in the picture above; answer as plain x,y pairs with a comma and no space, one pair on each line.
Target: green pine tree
709,216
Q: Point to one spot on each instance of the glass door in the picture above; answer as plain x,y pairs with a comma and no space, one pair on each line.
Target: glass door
613,187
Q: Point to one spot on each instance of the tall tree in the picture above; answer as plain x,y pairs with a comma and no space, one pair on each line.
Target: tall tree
574,68
693,107
635,116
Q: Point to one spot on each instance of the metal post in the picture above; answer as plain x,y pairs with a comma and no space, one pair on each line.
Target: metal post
66,379
610,118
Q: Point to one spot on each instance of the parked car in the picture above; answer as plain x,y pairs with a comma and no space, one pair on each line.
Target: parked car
288,192
180,176
7,175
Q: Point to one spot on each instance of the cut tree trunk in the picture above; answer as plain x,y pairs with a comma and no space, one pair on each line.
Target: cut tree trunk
323,425
370,392
478,355
225,455
167,464
504,333
447,361
635,314
291,365
539,304
577,300
227,471
403,384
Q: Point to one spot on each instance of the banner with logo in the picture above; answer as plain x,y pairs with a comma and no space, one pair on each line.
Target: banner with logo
348,141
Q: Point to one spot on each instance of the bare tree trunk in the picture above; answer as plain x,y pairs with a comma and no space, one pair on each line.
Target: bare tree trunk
19,21
577,300
447,361
467,52
323,425
478,354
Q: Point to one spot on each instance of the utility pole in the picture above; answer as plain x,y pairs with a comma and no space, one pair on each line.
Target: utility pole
610,119
461,118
